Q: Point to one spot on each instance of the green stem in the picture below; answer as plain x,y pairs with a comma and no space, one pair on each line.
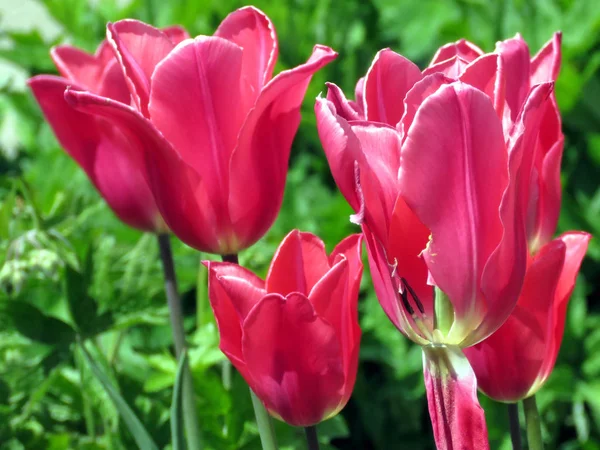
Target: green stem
190,414
88,413
265,424
312,440
202,310
515,429
263,419
534,424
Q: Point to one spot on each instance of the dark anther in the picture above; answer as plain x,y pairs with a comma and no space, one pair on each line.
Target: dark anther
413,294
404,296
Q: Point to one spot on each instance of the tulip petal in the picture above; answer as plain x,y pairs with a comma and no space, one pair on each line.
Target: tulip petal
342,149
452,67
359,96
407,239
195,104
298,264
112,84
380,146
173,182
138,47
545,65
457,418
487,74
388,80
508,362
463,48
455,189
342,106
78,66
294,358
76,132
228,320
577,244
254,32
111,163
387,289
261,157
419,92
503,274
515,61
176,34
243,288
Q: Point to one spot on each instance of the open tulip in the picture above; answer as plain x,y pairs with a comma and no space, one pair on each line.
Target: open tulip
112,161
439,172
215,126
294,337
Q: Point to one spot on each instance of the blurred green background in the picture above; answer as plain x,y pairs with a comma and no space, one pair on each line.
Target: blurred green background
69,271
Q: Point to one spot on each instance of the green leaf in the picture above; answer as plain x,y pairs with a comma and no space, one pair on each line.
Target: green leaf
177,436
134,425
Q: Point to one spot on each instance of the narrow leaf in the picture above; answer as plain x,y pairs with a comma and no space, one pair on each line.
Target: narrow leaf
134,425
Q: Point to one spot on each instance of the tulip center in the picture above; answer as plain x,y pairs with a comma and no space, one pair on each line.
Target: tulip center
431,329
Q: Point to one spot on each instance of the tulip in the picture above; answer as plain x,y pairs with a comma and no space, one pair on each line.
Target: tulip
295,336
113,162
439,171
515,361
214,126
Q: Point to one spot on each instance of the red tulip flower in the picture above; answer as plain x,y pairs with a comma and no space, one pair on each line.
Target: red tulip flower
294,337
112,161
515,361
439,166
213,125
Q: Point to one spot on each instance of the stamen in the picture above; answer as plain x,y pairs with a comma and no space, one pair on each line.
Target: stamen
406,303
413,295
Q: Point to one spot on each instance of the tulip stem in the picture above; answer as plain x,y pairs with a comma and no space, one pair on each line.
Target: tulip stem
534,424
264,423
263,419
515,429
312,440
190,414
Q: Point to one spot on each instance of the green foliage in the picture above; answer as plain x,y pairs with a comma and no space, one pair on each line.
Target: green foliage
71,272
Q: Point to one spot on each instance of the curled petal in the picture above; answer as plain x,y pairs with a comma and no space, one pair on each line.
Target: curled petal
294,359
388,80
452,67
78,66
228,319
298,264
487,74
419,92
243,288
342,106
463,48
254,32
515,61
546,64
138,47
260,159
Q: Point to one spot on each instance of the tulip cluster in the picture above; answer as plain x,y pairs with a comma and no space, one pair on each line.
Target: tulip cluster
453,173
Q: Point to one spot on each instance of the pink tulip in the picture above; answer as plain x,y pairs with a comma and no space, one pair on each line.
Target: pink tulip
515,361
294,337
113,162
212,125
436,209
